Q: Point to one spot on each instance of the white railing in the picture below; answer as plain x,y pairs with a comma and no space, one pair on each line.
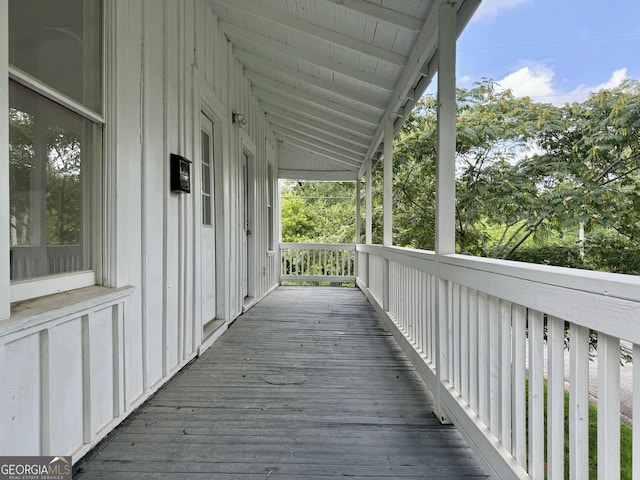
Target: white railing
321,262
484,332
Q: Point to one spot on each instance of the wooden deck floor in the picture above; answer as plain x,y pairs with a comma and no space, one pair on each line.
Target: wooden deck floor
304,385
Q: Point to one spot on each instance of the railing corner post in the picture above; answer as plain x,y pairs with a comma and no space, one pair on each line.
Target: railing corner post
385,286
366,279
441,354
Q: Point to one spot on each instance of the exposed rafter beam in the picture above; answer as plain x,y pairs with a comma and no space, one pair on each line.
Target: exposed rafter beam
423,49
324,124
382,13
333,175
273,100
304,131
251,61
292,121
264,83
314,148
298,53
329,146
277,16
328,158
305,150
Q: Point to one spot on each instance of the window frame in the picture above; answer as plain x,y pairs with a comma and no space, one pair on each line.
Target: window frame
21,290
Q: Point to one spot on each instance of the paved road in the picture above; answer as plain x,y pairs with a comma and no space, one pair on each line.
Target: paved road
626,386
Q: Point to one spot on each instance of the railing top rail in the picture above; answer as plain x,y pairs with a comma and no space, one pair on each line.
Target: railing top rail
615,285
319,246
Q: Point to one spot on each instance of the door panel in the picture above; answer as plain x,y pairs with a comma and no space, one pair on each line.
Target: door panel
207,221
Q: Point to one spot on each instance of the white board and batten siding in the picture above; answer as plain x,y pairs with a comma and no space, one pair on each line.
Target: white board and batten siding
74,365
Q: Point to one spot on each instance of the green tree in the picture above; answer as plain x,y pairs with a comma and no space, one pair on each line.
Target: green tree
319,212
528,176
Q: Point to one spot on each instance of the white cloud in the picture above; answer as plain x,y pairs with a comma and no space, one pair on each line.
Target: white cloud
581,92
489,9
536,81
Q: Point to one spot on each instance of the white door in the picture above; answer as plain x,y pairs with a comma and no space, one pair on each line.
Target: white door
245,225
207,221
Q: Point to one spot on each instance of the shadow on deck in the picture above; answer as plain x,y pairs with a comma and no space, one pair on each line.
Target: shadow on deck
304,385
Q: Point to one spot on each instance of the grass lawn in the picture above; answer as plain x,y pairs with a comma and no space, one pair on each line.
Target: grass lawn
625,441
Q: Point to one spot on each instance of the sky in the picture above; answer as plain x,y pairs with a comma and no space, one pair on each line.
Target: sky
554,51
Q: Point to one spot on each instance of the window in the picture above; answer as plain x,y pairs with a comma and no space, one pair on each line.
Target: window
206,178
55,136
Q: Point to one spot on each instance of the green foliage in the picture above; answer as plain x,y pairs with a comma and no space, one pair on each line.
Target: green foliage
527,174
57,154
528,177
318,212
626,434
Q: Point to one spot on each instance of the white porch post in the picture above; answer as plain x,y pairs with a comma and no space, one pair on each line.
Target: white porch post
387,204
388,183
358,205
369,210
5,303
358,239
445,182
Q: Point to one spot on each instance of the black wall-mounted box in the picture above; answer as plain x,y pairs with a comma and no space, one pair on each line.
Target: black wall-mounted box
180,174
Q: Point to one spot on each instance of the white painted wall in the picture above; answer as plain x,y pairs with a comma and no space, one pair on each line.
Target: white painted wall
4,161
72,366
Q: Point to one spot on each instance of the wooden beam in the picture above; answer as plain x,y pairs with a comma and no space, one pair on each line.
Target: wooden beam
264,83
277,16
318,124
305,56
358,218
317,142
314,148
278,101
301,147
445,189
382,13
423,49
446,133
356,144
368,207
387,198
319,175
253,63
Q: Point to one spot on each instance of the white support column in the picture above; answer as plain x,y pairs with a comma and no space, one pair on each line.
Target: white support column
445,182
358,205
446,131
369,210
5,303
388,183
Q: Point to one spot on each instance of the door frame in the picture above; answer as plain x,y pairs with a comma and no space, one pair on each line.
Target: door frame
248,147
217,195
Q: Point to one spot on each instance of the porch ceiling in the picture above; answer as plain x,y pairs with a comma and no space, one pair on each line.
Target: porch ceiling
327,72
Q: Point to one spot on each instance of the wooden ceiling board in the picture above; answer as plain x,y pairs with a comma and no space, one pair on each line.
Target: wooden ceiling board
327,72
346,124
282,117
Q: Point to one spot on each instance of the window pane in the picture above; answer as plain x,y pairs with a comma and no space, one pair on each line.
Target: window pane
206,178
48,162
206,211
58,42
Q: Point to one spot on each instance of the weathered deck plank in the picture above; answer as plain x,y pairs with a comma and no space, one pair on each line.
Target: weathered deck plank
305,385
